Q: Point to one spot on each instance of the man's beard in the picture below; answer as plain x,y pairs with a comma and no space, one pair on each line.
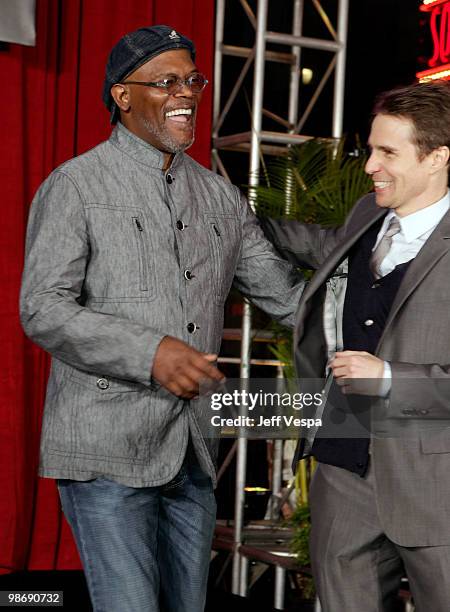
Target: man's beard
170,144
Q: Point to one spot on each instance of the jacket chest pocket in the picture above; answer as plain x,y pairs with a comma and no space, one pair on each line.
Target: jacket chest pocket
224,234
121,268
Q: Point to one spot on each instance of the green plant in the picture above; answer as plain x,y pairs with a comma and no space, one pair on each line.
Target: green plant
301,522
282,348
316,182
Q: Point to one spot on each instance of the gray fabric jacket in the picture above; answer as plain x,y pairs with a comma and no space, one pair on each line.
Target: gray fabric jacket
110,245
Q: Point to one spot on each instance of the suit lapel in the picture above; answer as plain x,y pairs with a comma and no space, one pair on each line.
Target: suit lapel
365,218
437,245
362,221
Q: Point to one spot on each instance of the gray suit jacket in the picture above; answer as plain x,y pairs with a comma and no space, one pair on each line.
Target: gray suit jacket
120,254
411,464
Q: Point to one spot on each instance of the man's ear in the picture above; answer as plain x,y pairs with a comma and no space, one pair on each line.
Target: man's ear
121,96
440,158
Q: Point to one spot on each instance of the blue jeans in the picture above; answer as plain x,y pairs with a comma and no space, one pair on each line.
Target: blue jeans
144,549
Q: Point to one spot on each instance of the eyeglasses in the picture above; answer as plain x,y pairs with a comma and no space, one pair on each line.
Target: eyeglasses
171,85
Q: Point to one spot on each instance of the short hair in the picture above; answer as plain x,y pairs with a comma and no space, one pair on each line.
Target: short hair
427,106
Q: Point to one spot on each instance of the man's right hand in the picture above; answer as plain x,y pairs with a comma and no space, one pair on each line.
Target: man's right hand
179,368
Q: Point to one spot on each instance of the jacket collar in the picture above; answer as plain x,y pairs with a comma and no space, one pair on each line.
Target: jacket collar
139,150
363,216
367,213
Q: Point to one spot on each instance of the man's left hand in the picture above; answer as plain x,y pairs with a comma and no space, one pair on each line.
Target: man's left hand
348,366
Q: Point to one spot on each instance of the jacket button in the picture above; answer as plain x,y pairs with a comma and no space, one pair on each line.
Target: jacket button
102,383
375,286
359,464
408,411
368,323
188,275
180,225
169,178
192,327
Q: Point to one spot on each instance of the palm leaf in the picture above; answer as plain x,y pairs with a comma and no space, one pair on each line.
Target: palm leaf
316,181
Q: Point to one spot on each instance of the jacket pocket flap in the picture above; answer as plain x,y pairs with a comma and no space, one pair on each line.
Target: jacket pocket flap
104,384
434,443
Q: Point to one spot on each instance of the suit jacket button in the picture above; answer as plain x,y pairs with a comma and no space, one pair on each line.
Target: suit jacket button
180,225
368,322
192,327
103,383
188,275
169,178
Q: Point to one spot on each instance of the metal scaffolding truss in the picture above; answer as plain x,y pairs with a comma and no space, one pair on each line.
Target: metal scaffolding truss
256,141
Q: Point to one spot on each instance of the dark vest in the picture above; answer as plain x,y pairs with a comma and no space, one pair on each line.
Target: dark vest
366,308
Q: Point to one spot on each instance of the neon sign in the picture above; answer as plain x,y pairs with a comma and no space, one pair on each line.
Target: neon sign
439,62
428,5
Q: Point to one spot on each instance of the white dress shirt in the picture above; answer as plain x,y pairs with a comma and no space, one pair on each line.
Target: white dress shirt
416,228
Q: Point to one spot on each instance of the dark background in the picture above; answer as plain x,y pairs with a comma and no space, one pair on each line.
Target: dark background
386,39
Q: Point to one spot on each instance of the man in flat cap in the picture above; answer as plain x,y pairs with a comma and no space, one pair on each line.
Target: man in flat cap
131,251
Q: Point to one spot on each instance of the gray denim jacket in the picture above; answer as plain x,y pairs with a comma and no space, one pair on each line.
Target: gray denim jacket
119,254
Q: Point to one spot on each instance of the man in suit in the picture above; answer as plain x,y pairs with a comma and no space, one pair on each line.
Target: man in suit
131,250
380,504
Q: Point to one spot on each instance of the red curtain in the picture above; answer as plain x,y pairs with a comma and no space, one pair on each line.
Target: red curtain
52,111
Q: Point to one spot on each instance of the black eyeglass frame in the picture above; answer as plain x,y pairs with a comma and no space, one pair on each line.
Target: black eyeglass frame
176,86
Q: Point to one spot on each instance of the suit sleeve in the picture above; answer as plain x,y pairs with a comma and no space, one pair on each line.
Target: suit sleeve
262,275
306,244
52,314
302,244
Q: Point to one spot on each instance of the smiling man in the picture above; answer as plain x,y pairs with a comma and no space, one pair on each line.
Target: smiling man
380,504
131,251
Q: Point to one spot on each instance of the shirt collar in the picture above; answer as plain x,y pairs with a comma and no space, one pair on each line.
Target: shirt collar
424,220
140,150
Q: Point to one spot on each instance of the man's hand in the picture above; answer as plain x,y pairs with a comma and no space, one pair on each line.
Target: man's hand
179,368
349,366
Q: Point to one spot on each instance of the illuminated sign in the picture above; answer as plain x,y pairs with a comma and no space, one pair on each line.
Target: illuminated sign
429,5
439,62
